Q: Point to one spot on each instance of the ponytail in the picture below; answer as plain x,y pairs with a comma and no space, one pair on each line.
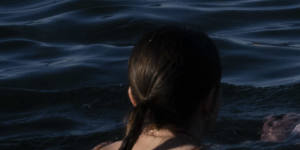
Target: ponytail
135,125
171,70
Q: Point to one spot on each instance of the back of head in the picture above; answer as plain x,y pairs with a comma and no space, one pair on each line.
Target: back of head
171,72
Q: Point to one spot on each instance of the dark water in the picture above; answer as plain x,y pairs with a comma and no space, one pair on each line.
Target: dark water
63,67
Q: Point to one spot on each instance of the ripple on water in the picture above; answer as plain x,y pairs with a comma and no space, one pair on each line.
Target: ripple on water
48,46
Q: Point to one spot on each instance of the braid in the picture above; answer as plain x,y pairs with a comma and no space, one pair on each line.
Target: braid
135,124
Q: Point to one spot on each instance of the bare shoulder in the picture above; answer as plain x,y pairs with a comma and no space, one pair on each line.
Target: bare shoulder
108,146
190,147
116,145
180,147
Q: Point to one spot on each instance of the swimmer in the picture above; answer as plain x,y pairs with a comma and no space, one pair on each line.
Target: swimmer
174,87
279,128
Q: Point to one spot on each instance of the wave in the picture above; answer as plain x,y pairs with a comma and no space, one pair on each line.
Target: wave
95,113
15,100
71,36
63,67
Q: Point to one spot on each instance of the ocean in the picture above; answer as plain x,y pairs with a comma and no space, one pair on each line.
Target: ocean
63,67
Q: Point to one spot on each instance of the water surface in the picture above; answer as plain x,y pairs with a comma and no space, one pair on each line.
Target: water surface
63,67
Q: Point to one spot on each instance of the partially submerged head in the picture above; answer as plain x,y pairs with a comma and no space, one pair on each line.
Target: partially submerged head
278,128
174,76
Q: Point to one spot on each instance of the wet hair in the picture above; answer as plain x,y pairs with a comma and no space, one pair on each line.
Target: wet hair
171,72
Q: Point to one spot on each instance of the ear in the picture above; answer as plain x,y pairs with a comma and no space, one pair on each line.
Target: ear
132,100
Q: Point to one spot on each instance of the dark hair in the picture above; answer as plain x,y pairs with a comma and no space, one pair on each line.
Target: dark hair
171,72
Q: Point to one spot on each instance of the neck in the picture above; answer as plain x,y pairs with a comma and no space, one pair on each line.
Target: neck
172,132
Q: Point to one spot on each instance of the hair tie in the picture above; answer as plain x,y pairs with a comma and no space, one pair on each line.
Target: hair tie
146,103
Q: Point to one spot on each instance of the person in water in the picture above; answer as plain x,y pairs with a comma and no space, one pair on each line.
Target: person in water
279,128
174,85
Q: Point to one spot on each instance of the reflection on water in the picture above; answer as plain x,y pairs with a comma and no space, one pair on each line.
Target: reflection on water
63,65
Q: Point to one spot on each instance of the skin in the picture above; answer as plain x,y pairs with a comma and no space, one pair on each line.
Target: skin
165,139
278,128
